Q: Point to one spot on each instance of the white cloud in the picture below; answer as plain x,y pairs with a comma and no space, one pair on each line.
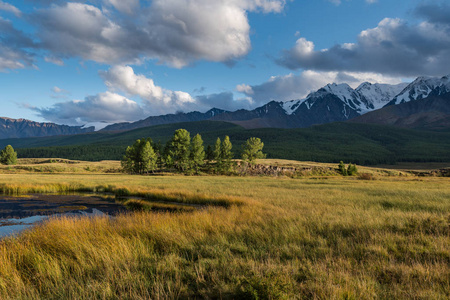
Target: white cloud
104,107
156,99
10,8
125,6
293,87
54,60
174,32
12,44
57,90
394,47
244,88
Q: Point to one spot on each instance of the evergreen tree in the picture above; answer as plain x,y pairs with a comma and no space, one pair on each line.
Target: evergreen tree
159,155
342,168
252,150
226,155
180,149
352,170
148,158
209,153
8,156
140,157
217,155
197,155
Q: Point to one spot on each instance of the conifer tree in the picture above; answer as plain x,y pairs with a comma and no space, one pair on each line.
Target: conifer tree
209,153
226,155
342,168
179,149
217,155
197,155
352,170
8,156
140,157
148,158
252,150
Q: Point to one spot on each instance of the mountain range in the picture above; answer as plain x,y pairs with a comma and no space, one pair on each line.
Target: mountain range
422,104
336,103
19,128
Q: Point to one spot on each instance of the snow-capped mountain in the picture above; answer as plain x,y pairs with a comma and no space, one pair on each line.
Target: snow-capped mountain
365,98
378,95
421,88
331,103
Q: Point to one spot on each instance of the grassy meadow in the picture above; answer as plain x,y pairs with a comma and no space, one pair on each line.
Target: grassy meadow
313,237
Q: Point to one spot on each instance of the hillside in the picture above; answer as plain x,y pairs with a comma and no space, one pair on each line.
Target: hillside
431,113
358,143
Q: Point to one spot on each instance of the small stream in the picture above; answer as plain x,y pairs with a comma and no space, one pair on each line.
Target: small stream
20,213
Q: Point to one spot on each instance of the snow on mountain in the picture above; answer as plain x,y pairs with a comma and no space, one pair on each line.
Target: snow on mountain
378,95
421,88
290,106
365,98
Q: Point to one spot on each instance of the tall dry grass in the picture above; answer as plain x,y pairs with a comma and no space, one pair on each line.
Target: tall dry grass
277,238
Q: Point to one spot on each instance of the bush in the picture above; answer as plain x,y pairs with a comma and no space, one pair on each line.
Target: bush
366,176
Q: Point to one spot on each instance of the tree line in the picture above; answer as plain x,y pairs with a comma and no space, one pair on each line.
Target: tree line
185,155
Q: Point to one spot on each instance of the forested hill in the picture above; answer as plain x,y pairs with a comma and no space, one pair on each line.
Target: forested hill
357,143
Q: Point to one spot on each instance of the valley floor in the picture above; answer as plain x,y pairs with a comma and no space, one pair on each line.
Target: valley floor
257,237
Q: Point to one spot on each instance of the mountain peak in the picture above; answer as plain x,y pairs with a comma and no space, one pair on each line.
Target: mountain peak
421,88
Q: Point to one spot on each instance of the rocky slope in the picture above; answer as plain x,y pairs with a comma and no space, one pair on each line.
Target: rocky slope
430,113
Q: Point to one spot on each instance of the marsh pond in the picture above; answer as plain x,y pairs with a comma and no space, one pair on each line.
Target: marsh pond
18,213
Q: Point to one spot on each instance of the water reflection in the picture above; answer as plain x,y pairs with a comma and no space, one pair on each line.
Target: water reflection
20,213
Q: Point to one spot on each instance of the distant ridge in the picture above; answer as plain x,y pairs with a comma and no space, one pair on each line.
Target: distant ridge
166,119
22,128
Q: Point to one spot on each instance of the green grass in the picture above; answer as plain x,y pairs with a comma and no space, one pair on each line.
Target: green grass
357,143
279,238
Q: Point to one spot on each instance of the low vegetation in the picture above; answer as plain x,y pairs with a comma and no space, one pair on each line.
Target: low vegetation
319,237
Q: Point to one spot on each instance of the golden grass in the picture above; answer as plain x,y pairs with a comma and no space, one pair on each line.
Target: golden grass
58,165
277,238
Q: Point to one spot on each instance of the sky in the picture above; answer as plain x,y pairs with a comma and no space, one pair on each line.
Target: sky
81,62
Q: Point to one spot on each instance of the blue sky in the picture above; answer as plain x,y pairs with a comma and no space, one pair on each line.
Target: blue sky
123,60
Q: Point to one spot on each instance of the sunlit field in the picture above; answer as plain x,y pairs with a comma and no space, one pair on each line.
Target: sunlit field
315,237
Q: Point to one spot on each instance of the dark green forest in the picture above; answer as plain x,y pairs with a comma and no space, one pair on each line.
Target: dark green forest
358,143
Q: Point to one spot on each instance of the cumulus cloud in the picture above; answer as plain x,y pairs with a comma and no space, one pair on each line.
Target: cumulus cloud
174,32
225,100
10,8
125,6
156,99
105,107
293,87
434,13
13,47
394,47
